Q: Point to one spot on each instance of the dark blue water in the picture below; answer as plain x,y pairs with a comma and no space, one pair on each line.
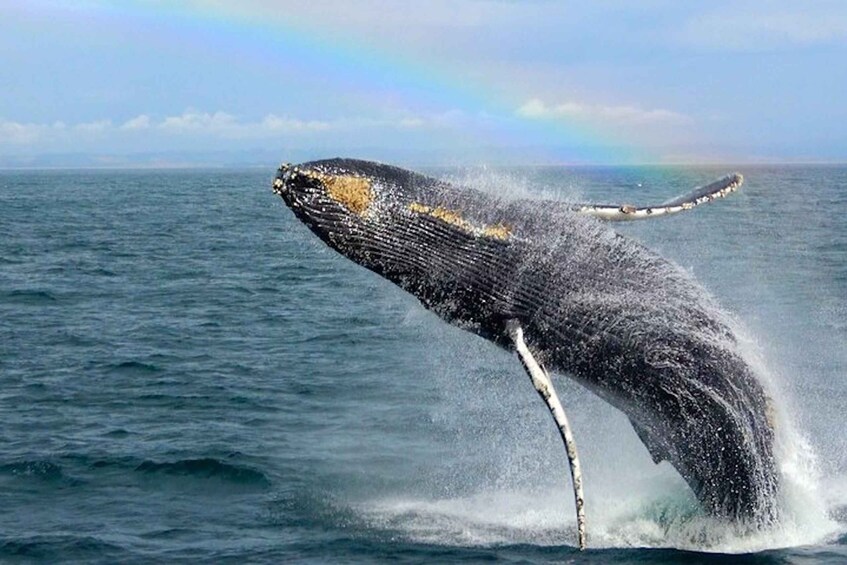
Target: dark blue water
187,373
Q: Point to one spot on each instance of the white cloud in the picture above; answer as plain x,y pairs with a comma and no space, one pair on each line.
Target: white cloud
140,122
23,134
608,115
273,122
192,122
15,133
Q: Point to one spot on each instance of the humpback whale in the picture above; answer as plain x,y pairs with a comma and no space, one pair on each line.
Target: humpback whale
554,283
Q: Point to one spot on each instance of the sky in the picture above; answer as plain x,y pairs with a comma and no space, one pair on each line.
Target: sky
429,82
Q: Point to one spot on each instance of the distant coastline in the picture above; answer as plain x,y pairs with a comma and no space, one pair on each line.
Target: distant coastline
268,158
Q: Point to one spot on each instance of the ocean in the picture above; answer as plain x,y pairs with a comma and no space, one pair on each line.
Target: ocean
188,374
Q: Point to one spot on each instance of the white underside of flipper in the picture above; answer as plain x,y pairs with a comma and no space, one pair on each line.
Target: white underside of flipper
718,189
542,383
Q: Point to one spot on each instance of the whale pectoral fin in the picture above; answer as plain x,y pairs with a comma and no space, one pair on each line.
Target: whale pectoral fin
657,451
544,385
718,189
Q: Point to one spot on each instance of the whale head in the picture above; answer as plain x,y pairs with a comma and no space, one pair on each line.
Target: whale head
385,218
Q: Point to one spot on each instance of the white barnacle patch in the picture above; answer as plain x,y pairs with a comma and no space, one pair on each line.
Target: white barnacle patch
496,231
351,191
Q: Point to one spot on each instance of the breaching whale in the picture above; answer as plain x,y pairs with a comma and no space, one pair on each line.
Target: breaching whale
553,282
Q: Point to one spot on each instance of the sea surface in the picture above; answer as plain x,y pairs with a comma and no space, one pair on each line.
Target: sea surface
187,374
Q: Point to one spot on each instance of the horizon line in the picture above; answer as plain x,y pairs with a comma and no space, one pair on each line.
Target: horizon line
245,166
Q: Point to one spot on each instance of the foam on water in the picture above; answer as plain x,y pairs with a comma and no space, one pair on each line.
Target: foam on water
662,514
659,515
805,509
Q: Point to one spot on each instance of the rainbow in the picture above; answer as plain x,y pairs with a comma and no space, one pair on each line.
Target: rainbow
246,36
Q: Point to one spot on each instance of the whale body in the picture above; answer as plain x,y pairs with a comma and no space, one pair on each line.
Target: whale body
630,326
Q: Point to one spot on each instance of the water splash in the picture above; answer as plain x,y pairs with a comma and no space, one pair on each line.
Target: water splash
660,512
805,512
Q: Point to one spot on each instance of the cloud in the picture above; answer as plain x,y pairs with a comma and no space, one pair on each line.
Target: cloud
137,123
392,15
608,115
98,126
273,122
757,27
228,126
411,123
16,133
192,123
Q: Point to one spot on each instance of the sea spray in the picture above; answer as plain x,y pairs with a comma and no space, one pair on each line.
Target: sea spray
681,525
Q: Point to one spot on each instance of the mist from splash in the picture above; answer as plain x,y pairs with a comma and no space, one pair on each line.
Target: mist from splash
805,510
513,486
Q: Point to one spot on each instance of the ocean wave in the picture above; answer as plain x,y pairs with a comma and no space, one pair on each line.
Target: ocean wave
207,468
55,548
135,367
29,296
166,533
117,433
43,470
102,272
